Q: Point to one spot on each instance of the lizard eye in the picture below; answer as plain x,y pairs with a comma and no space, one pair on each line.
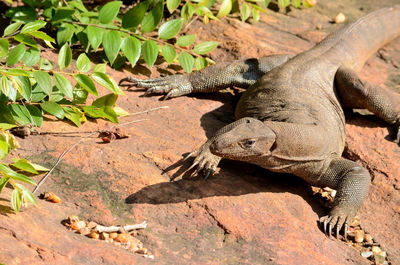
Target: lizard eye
249,143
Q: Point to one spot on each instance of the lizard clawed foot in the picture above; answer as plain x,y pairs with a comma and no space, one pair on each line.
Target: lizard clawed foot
204,160
172,86
337,219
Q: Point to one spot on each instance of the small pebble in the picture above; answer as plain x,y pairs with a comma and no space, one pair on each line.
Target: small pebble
340,18
78,225
368,238
142,251
104,236
355,222
376,249
113,235
367,254
94,235
359,236
123,238
84,231
72,218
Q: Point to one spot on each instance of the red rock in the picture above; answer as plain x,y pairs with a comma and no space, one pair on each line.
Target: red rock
243,214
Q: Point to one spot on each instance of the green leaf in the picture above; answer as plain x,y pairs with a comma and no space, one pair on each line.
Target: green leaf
4,85
39,167
121,112
86,83
4,46
100,68
15,54
225,9
105,101
3,182
36,115
31,56
135,15
33,26
283,3
187,11
245,12
296,3
53,108
83,63
74,114
107,82
169,53
101,112
43,80
169,29
131,48
7,126
205,47
201,63
45,64
65,56
24,165
154,17
80,95
26,39
16,200
10,29
41,35
256,15
20,114
63,13
172,5
112,43
95,36
26,87
63,85
27,194
150,52
64,33
109,11
6,115
185,41
187,61
7,171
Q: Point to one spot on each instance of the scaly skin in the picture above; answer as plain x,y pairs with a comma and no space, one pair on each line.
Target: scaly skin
290,119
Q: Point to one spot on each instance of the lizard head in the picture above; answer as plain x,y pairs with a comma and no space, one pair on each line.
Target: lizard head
247,138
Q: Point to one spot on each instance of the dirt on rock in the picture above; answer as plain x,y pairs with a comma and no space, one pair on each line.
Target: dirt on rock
241,215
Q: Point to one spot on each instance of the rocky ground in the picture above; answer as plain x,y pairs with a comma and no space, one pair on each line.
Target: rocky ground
241,215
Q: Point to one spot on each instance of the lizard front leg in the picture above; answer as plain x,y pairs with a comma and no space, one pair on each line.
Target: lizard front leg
240,73
204,159
351,182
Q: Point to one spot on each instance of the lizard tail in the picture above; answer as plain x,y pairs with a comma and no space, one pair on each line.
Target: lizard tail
361,39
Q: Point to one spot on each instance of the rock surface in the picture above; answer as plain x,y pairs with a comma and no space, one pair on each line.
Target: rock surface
243,214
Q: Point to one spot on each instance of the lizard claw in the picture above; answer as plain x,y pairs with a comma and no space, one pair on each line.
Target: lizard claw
204,160
172,86
337,219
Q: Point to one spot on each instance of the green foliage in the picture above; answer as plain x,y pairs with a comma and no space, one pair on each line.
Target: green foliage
15,172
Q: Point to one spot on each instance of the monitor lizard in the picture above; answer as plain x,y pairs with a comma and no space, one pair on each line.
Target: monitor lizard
290,118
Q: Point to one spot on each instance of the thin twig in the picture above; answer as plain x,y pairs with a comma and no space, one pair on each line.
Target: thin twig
147,111
87,136
58,161
125,228
68,150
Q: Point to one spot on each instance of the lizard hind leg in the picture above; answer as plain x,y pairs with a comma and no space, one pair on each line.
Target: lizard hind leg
356,93
351,182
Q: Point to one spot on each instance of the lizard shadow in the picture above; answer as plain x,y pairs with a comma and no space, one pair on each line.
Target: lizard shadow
234,179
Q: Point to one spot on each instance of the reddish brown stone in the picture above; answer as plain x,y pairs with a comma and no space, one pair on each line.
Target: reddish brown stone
243,214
